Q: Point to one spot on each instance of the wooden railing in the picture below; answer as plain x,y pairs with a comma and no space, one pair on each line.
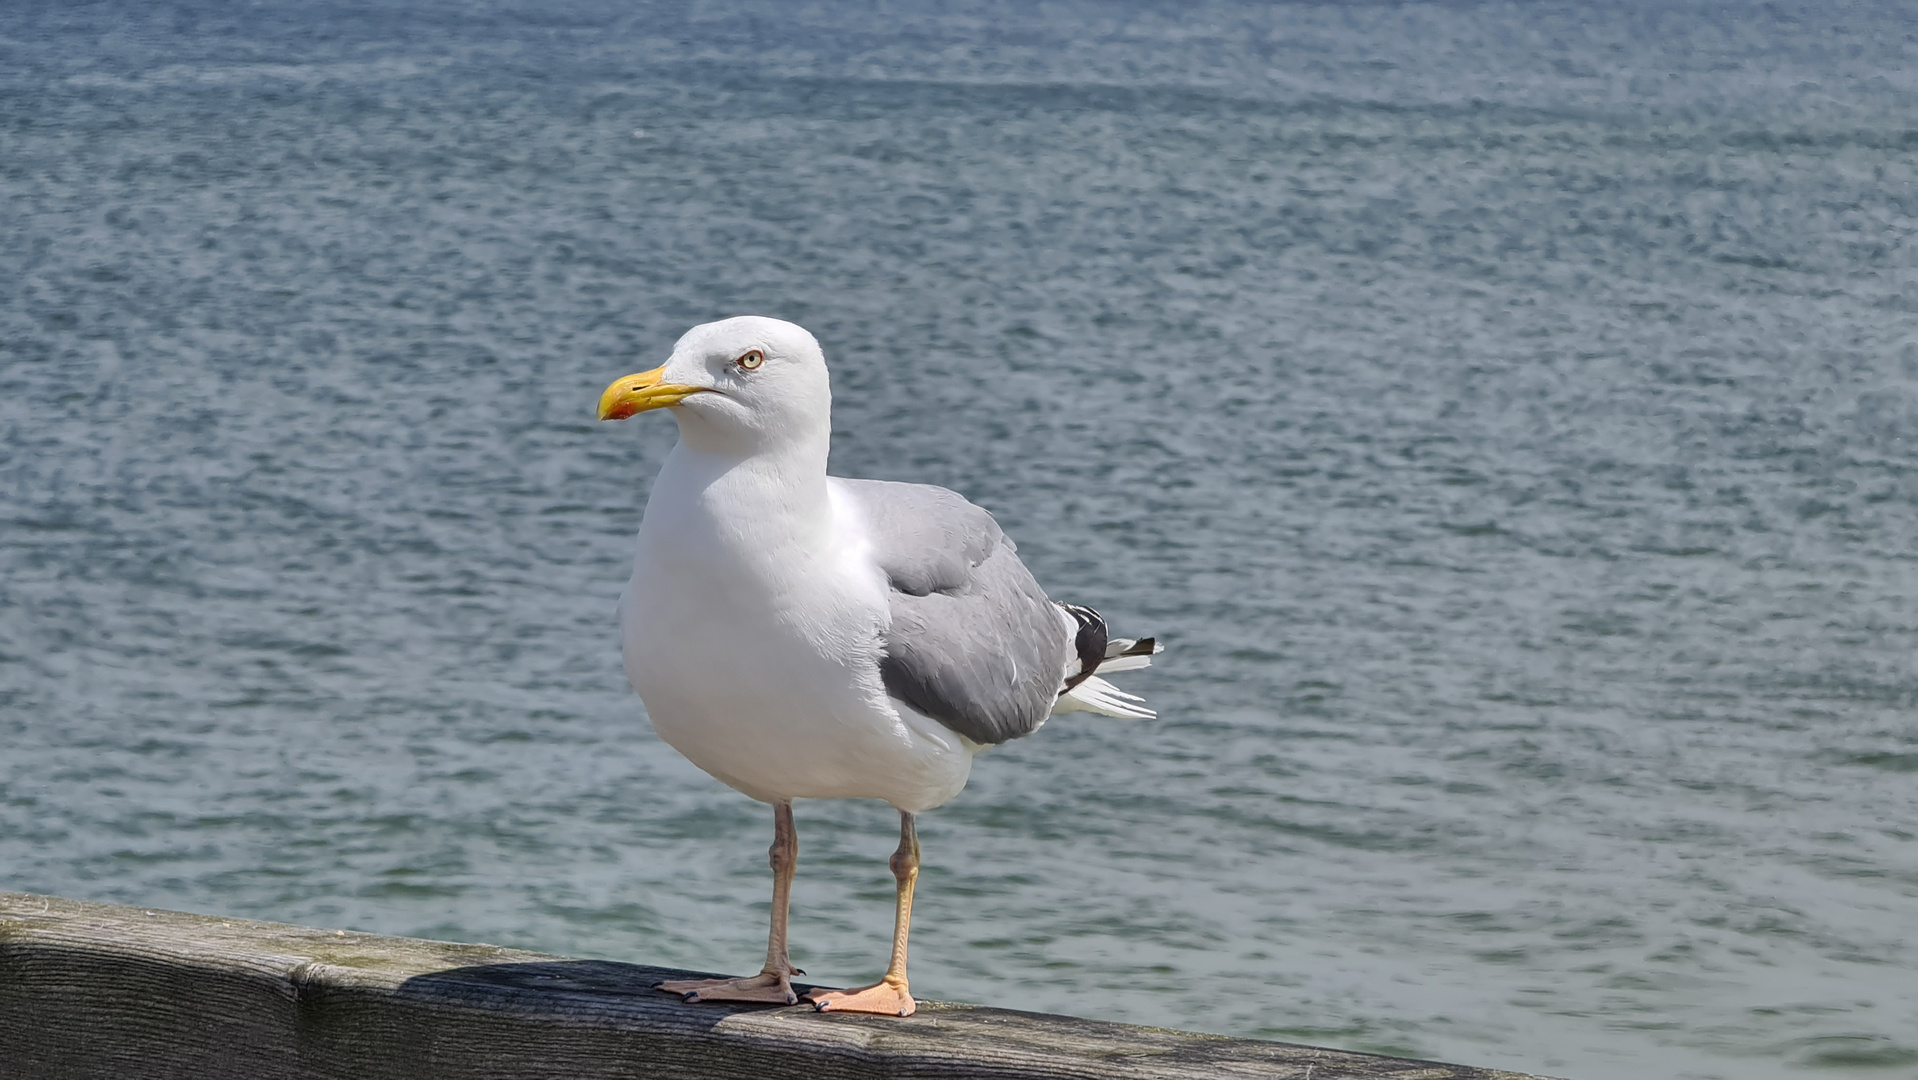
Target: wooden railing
91,990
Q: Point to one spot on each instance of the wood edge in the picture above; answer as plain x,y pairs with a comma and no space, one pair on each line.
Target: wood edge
344,961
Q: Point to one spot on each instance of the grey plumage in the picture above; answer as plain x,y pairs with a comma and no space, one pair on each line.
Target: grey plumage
974,643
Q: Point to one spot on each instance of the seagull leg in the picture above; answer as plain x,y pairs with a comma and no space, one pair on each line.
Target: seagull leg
774,982
889,996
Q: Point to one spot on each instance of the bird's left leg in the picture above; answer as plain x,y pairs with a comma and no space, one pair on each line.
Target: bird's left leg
890,995
774,982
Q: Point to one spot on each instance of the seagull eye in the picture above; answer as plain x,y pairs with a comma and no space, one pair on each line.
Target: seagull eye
751,359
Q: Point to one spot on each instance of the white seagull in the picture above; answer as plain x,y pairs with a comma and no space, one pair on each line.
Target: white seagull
804,636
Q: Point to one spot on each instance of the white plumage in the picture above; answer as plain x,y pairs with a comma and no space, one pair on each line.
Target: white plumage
804,636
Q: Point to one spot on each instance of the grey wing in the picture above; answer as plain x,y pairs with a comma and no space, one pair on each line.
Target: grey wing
974,643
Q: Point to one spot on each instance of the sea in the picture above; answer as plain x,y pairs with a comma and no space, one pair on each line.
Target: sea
1505,414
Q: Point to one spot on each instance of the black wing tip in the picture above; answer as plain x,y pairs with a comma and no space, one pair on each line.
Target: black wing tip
1145,646
1089,643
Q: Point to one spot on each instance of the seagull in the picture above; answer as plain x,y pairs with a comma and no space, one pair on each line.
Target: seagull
804,636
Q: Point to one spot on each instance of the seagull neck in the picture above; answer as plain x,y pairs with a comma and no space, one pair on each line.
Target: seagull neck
762,494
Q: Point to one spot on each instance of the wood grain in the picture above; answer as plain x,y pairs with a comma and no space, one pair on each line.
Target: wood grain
91,990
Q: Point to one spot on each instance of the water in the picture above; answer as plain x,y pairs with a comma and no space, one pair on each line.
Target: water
1508,416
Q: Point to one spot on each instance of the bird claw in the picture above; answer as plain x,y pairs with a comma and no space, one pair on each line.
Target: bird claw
767,987
883,998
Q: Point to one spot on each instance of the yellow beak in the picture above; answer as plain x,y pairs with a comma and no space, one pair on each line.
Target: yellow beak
638,393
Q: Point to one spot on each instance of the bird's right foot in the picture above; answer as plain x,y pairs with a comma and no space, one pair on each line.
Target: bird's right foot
768,987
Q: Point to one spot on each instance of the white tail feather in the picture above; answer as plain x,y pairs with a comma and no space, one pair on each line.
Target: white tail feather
1099,696
1096,694
1119,645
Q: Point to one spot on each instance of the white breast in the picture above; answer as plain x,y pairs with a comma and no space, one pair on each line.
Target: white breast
752,634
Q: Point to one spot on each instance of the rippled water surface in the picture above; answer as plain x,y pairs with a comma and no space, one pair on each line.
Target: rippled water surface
1508,416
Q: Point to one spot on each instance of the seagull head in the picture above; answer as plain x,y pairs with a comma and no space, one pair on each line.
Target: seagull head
738,385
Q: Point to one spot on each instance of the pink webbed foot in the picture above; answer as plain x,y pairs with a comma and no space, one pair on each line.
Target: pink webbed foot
886,997
767,987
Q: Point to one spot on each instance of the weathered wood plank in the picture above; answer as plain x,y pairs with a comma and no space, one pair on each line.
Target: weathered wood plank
92,990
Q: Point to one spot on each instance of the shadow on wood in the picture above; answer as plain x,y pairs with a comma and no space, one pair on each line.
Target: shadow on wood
99,990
